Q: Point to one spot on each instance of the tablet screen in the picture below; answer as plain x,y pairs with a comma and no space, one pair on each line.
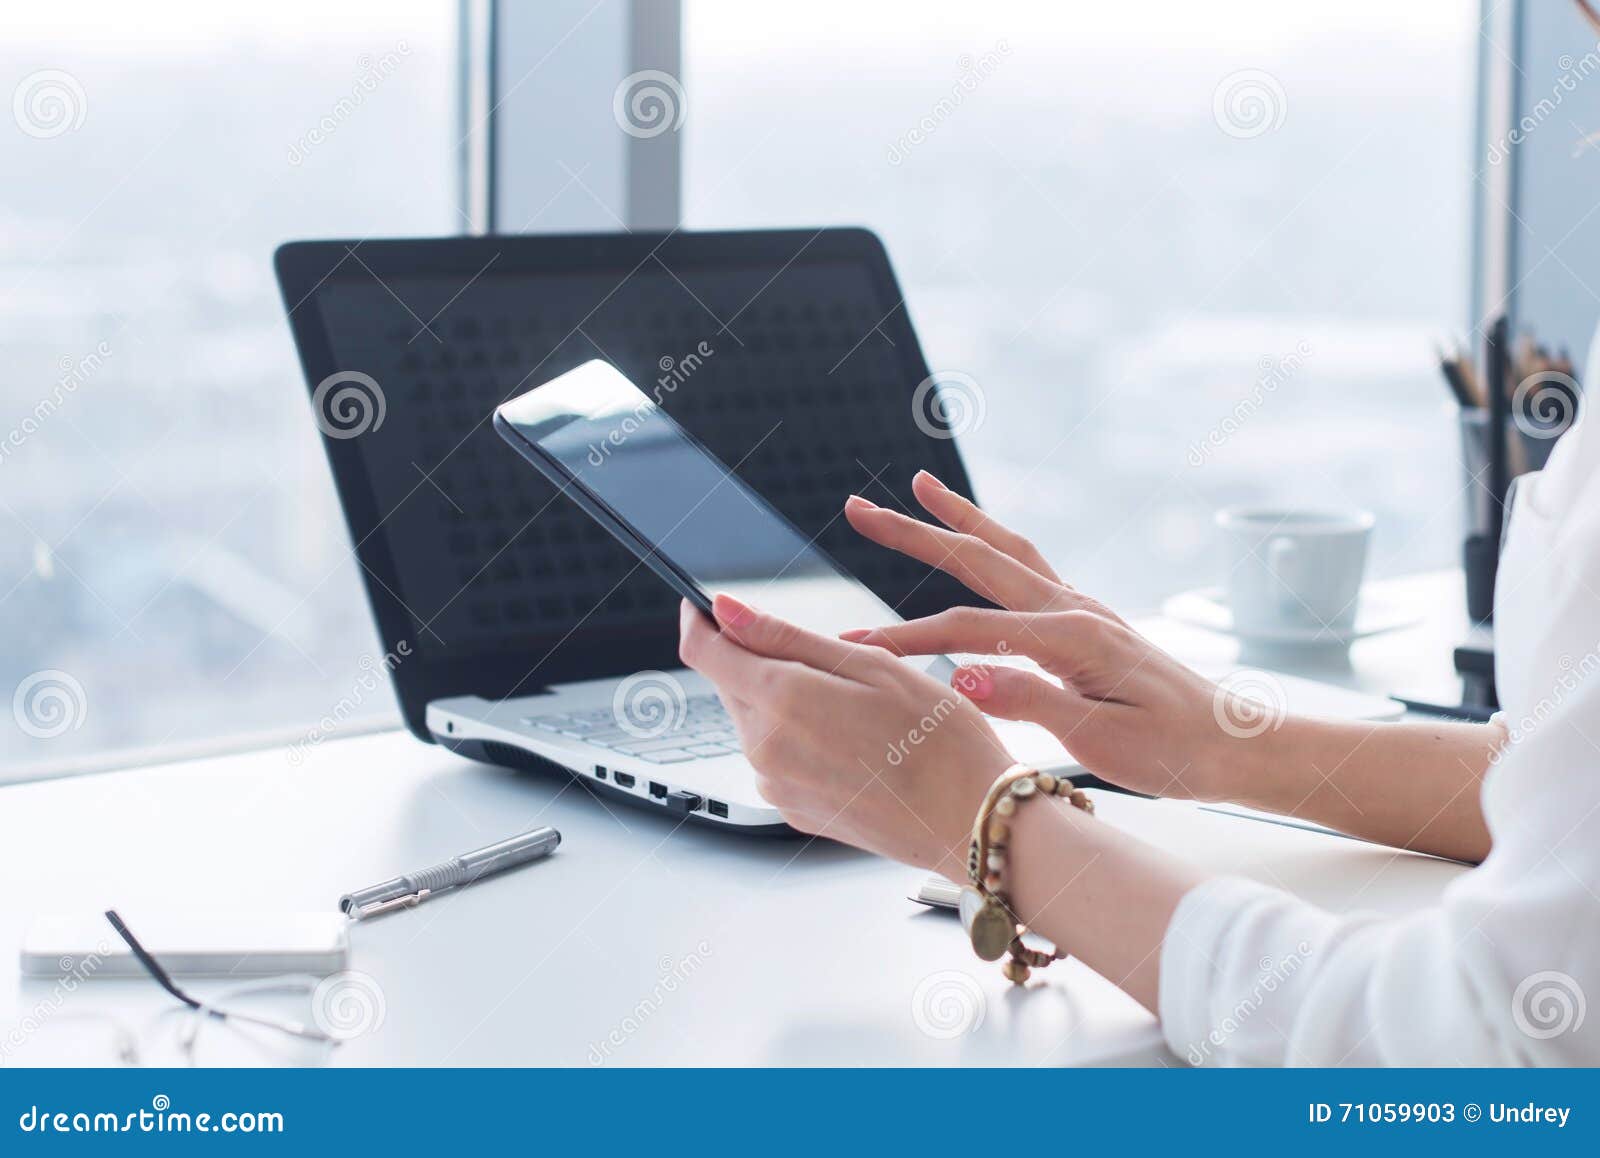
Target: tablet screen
616,442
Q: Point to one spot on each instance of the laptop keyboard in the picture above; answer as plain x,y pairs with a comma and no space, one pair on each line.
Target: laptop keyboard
704,732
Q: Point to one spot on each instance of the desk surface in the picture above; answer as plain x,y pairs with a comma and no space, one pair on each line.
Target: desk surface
640,942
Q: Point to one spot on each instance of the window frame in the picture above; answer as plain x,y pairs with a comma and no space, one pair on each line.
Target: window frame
553,73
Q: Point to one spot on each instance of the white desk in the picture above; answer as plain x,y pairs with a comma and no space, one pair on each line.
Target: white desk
778,951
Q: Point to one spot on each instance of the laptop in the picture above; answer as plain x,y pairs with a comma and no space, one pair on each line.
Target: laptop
531,638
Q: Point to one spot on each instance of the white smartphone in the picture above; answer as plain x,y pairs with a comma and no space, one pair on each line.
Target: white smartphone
204,944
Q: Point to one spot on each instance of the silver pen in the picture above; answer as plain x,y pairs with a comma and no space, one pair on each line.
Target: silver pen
416,887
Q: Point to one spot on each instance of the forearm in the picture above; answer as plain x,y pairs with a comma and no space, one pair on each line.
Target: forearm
1410,785
1096,892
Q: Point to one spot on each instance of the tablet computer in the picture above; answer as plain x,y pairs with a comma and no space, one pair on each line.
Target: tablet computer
611,448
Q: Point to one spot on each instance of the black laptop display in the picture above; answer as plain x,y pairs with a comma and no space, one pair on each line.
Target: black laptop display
789,354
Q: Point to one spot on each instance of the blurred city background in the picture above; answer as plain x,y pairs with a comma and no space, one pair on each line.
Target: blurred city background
1085,234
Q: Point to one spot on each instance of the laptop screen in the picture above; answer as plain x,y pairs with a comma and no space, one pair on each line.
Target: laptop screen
787,373
788,353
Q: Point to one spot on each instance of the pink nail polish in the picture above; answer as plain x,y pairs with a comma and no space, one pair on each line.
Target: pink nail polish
933,478
860,503
972,683
732,612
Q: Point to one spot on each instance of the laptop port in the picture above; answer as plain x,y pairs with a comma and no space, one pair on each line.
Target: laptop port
659,791
717,808
623,779
600,771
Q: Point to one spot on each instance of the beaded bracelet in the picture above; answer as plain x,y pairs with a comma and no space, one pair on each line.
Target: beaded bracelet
986,911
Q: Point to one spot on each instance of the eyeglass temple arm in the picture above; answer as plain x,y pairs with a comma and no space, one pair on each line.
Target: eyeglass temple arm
163,978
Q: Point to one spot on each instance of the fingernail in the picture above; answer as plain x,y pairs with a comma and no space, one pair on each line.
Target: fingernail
860,503
973,683
855,634
932,478
730,611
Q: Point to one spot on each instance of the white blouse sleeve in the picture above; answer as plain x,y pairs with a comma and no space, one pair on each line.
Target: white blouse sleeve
1498,973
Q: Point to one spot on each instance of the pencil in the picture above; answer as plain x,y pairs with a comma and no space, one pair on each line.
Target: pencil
1458,385
1469,378
1448,373
1495,366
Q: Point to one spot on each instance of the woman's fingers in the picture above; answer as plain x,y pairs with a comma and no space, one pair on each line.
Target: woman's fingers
1008,694
1060,640
783,690
775,638
704,648
982,567
967,518
959,514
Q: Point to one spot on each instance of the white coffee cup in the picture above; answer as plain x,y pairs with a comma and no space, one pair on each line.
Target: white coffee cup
1293,569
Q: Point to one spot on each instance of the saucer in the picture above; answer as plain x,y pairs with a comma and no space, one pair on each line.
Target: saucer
1207,607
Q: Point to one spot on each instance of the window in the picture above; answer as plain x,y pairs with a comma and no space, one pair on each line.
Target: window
173,567
1172,256
1183,255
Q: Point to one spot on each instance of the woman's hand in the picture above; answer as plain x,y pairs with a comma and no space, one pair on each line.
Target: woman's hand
1125,709
1135,716
847,741
852,743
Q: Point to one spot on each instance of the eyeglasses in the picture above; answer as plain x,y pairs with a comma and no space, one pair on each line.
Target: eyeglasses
204,1009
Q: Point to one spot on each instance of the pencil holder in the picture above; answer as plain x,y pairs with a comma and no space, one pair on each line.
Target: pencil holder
1526,452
